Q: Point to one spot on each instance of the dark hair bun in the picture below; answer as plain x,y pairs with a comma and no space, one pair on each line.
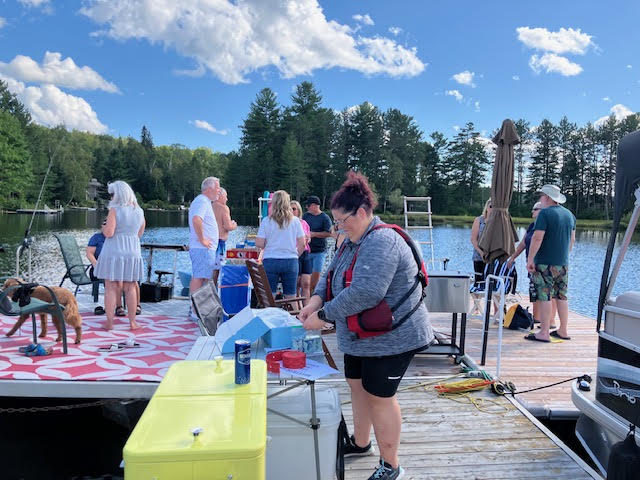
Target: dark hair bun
355,192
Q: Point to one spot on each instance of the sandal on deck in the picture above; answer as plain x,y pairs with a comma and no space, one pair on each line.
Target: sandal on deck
557,335
114,347
28,348
120,312
99,310
532,336
138,310
39,351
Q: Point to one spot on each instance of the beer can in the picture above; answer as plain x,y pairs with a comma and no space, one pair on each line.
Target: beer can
243,362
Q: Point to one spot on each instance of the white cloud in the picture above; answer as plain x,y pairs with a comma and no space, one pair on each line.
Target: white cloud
232,40
516,78
552,63
365,19
207,126
34,3
395,31
477,105
51,106
465,78
3,22
629,67
606,99
454,93
565,40
619,111
456,128
54,70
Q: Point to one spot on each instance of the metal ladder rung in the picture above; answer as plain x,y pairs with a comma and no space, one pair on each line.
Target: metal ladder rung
419,226
418,213
417,199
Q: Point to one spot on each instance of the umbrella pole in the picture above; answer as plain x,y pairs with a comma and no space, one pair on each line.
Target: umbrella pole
487,313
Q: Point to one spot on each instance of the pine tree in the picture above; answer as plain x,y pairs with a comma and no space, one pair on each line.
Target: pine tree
15,174
543,169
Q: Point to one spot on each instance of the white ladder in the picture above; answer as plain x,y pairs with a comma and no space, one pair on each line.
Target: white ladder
429,227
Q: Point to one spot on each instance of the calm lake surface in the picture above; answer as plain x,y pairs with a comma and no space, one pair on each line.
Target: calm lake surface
451,241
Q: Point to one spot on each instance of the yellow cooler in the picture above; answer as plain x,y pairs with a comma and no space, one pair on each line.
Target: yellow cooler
201,426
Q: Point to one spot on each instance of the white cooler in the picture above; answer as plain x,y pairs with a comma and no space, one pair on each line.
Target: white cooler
290,451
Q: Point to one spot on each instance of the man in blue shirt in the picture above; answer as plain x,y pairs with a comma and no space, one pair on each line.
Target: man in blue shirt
320,226
548,261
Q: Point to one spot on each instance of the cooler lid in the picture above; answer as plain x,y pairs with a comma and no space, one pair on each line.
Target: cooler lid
449,274
227,427
202,377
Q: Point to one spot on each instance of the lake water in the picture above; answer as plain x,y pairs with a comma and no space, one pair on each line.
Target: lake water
451,241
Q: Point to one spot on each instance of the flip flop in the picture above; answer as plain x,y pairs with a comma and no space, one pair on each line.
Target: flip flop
557,335
138,310
532,336
120,312
126,345
99,310
28,348
39,351
114,347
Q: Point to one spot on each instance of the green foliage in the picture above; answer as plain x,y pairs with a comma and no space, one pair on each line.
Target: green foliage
306,148
15,161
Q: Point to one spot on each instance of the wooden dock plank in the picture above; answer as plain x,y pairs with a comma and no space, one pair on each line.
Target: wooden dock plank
532,364
446,439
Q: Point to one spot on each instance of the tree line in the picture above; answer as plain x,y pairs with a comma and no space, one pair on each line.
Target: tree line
306,148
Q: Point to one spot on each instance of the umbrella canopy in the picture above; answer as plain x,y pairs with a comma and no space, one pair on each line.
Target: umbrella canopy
499,236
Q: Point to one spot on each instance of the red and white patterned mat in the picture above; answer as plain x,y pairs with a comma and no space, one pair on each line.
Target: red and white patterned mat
162,339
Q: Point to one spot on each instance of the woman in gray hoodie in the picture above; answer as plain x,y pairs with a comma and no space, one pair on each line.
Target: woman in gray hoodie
384,269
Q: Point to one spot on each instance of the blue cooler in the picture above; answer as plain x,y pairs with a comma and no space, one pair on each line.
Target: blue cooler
234,288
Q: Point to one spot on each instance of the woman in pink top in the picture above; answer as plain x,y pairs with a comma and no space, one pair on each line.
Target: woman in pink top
305,265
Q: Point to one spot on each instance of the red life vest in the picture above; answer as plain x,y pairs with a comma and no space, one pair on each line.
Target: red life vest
382,312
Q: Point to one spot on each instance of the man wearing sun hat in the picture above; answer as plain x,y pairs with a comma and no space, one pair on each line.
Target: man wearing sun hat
548,261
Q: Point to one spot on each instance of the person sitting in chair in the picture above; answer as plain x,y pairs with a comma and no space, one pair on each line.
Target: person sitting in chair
94,247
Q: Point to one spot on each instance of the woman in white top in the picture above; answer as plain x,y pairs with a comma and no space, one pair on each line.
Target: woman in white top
120,261
282,238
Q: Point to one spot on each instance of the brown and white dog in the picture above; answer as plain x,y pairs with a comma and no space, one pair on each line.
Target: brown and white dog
65,297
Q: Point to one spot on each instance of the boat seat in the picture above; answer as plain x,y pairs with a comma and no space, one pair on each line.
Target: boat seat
624,325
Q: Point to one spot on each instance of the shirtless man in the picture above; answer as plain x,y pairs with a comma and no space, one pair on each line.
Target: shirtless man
225,225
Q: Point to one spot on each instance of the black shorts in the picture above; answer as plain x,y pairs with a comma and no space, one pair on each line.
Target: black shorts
305,264
380,375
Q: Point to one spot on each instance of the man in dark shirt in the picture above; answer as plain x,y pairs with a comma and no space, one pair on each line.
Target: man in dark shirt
320,225
548,261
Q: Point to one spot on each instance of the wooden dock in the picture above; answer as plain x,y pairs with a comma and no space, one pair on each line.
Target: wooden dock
533,364
444,438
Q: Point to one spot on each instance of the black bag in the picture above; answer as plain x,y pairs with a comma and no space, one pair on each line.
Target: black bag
150,292
517,318
166,291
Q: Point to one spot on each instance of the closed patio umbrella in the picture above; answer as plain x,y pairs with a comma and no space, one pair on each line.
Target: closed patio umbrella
499,236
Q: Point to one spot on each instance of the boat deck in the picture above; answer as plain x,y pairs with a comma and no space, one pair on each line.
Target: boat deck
527,364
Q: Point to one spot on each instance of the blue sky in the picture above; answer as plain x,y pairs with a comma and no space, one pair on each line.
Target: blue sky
189,69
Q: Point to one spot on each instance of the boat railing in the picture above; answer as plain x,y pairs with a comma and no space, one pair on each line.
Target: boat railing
488,297
26,244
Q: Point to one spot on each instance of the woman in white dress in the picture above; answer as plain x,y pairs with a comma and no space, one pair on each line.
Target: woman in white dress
120,262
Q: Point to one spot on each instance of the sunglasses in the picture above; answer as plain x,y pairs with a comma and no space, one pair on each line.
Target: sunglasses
535,209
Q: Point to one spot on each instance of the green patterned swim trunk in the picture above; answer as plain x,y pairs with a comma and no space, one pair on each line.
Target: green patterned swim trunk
551,281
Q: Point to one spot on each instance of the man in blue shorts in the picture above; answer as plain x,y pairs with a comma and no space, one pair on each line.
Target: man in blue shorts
203,234
548,261
320,226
